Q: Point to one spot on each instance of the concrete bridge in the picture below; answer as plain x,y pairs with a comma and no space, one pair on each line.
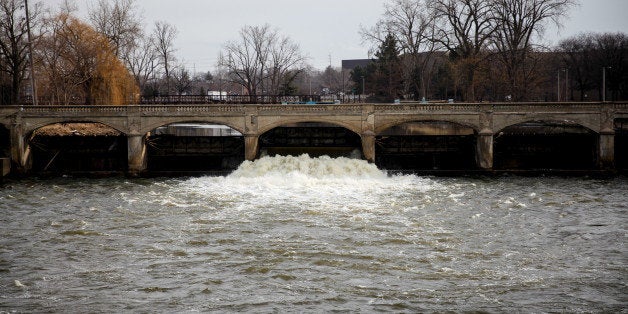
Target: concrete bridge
366,120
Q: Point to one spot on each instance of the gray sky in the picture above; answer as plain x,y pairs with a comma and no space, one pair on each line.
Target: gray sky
321,27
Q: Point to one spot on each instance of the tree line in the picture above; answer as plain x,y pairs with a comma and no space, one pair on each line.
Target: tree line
108,59
474,50
468,50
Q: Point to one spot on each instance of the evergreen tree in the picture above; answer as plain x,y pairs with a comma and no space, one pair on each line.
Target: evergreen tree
387,76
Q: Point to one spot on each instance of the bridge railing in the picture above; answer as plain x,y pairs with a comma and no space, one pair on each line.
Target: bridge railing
159,108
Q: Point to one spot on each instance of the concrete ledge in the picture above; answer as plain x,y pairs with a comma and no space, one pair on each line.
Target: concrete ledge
5,166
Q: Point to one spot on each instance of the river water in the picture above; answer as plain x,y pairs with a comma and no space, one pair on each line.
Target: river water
300,234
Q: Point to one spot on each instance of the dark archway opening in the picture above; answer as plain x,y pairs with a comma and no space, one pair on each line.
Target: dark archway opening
313,138
621,144
179,148
5,142
427,145
545,146
78,148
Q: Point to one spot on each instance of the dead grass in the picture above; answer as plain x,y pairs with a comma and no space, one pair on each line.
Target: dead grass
77,129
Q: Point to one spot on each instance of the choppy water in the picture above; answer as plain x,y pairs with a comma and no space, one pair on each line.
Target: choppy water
313,235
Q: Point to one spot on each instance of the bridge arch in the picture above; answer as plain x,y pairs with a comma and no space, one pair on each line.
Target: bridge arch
77,146
314,137
355,126
5,141
500,124
193,145
383,126
546,144
621,143
229,122
40,123
426,144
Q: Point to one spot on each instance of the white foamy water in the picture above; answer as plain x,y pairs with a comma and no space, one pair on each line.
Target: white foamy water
302,234
309,183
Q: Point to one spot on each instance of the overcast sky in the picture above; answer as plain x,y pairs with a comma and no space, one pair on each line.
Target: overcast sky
322,28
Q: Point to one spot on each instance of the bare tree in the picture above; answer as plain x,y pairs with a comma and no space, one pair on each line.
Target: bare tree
182,80
577,54
118,21
246,60
261,60
142,61
613,55
164,35
14,44
464,28
412,26
517,22
286,62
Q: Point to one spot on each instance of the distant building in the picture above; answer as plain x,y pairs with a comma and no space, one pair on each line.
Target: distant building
354,63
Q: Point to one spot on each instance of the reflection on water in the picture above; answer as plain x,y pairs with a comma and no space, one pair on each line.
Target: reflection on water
313,235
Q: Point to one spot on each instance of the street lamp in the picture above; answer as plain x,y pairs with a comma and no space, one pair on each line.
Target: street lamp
30,53
604,83
363,90
566,70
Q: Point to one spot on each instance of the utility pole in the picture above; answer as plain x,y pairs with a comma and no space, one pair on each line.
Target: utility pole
558,86
330,69
604,83
567,84
30,54
363,91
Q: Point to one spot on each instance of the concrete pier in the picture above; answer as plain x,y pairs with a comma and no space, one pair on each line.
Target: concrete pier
5,166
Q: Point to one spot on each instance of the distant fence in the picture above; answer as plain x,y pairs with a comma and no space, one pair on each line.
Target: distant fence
213,99
248,99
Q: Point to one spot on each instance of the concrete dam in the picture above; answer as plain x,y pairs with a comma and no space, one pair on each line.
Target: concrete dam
423,138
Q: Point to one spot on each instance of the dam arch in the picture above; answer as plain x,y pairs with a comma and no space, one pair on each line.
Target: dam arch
78,147
234,123
193,146
5,142
546,145
586,122
41,123
426,145
621,144
315,138
349,124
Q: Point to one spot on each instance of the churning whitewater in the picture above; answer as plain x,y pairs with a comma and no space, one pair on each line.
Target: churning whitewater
312,184
302,234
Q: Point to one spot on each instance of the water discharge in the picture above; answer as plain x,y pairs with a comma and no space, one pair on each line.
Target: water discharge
301,234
